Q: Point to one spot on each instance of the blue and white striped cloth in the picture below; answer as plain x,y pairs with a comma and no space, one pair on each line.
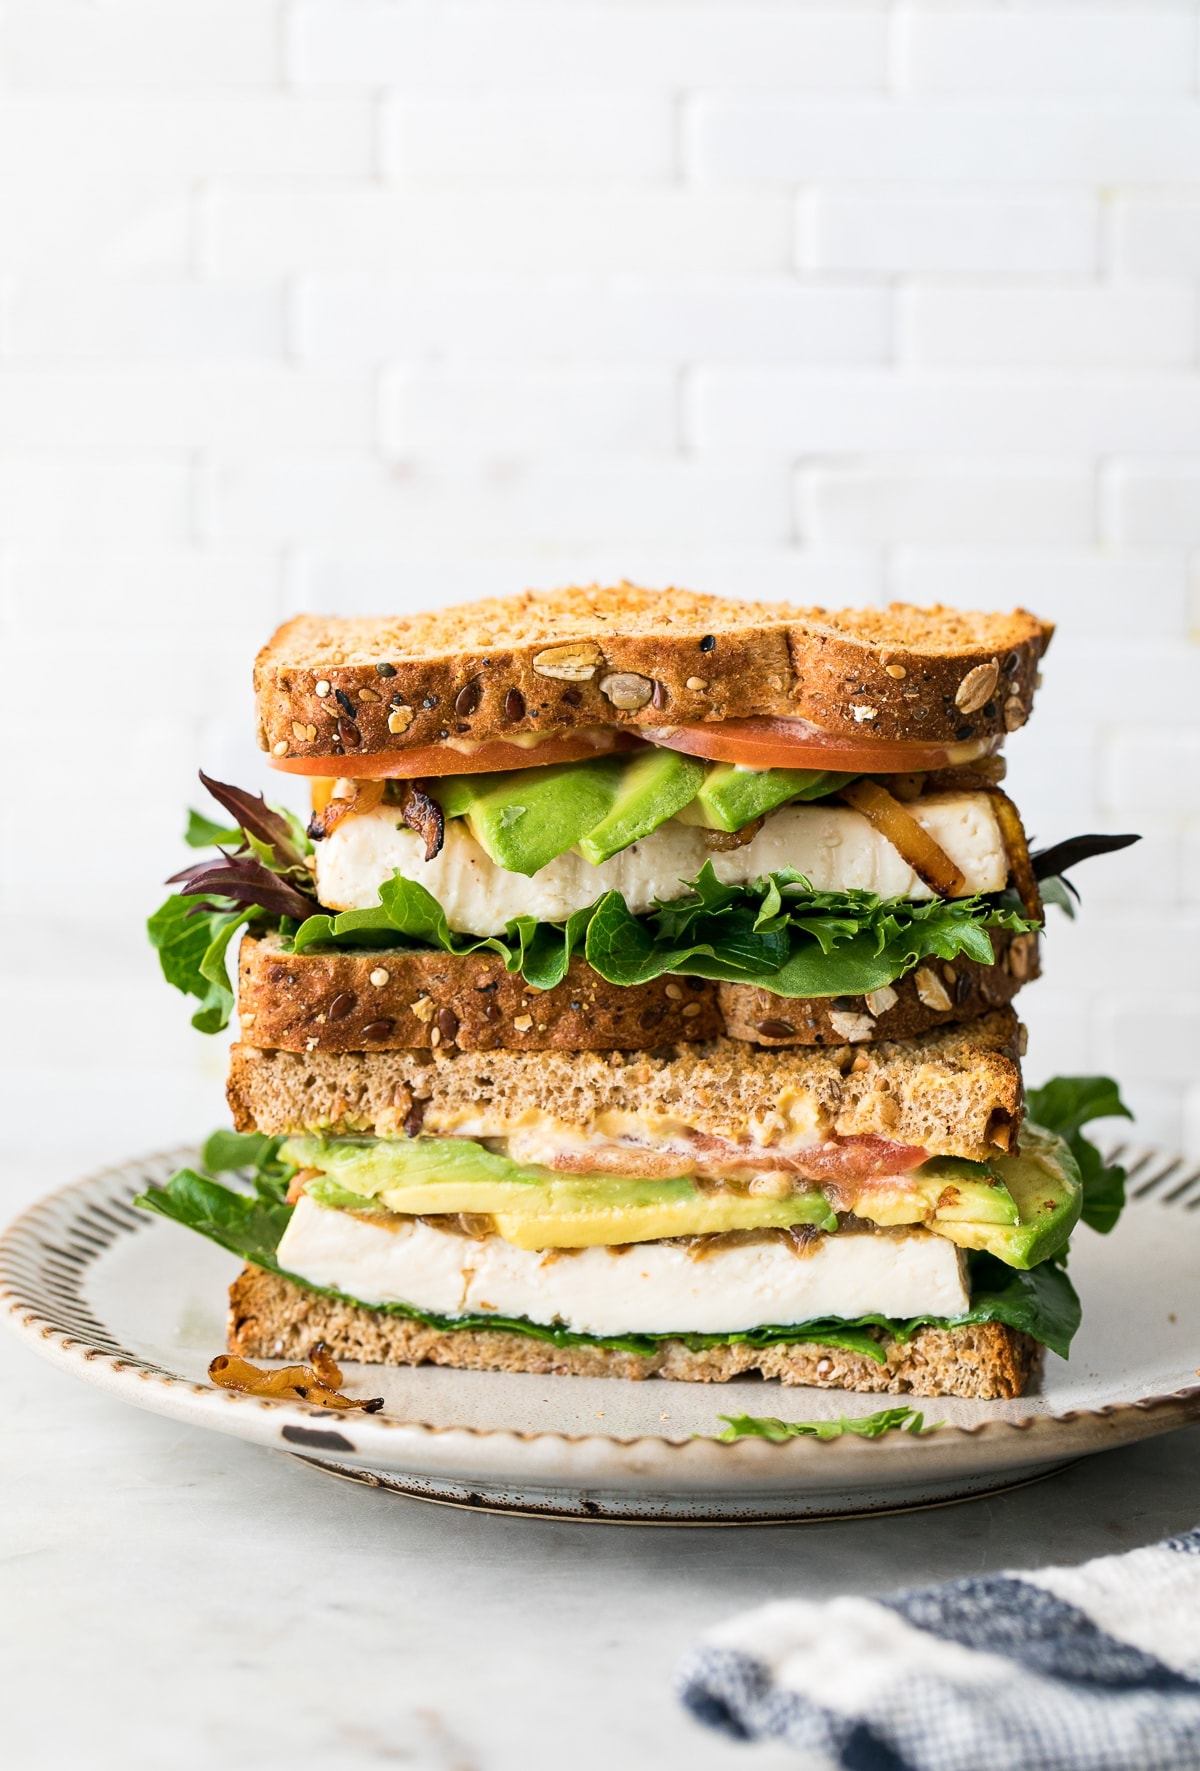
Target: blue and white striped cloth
1094,1668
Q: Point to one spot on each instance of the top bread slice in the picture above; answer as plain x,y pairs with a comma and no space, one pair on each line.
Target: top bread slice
342,687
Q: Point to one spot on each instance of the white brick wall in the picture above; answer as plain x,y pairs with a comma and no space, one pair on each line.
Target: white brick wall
375,303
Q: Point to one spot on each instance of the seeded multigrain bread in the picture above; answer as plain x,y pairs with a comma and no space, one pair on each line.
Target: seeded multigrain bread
385,1001
272,1318
389,1001
623,656
954,1091
937,994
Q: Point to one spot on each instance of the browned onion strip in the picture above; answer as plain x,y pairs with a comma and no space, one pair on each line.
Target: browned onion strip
365,797
423,815
928,860
1017,849
317,1383
719,841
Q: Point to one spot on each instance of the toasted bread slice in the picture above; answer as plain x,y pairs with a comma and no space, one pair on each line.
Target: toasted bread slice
953,1092
273,1318
627,657
390,1000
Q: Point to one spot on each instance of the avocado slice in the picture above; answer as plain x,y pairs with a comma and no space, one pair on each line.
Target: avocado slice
732,796
655,785
534,1207
948,1190
1019,1208
1048,1188
524,818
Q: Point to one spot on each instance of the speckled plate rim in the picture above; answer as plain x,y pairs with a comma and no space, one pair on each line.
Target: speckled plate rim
46,1251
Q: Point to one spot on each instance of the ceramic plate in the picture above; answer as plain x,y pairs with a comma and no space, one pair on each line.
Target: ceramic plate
136,1305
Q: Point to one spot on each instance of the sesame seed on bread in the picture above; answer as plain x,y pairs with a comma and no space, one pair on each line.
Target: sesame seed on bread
624,656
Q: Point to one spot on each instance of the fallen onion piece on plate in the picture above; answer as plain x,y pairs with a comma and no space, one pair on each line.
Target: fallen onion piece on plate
318,1382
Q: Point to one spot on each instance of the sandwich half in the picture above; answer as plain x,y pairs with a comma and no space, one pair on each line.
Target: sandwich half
636,1000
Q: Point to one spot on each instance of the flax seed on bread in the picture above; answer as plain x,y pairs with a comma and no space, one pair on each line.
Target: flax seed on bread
390,999
625,656
271,1317
953,1091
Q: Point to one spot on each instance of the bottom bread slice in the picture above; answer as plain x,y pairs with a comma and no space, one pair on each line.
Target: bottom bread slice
273,1318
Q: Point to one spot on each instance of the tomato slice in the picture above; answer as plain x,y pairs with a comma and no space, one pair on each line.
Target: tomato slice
442,759
795,744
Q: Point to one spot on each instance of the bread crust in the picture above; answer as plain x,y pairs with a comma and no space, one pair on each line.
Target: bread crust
953,1091
390,1000
545,662
273,1318
936,994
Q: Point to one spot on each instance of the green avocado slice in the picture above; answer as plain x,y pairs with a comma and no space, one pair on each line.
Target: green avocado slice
656,784
944,1193
1045,1184
732,796
524,818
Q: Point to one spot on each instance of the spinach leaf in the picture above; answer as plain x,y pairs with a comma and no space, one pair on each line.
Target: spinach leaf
227,1150
1040,1302
245,1223
1065,1105
192,940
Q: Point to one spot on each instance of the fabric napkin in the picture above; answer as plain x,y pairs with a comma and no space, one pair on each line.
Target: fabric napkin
1095,1668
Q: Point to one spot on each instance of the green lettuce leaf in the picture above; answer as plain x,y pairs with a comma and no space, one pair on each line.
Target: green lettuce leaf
1040,1302
1065,1105
867,1426
777,933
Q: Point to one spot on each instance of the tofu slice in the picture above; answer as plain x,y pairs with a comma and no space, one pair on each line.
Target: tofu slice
834,847
651,1288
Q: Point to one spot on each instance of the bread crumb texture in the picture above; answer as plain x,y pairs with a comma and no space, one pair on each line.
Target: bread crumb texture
273,1318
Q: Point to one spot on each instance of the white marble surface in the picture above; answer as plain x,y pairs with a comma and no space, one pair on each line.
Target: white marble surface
172,1598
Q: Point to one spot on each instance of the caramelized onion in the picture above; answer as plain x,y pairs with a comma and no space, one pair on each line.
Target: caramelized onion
928,860
1020,867
719,841
319,1382
424,815
365,797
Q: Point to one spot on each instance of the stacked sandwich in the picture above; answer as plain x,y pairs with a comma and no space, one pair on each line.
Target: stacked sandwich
638,998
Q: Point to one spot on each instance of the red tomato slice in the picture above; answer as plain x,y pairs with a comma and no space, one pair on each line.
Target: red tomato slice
441,759
794,744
